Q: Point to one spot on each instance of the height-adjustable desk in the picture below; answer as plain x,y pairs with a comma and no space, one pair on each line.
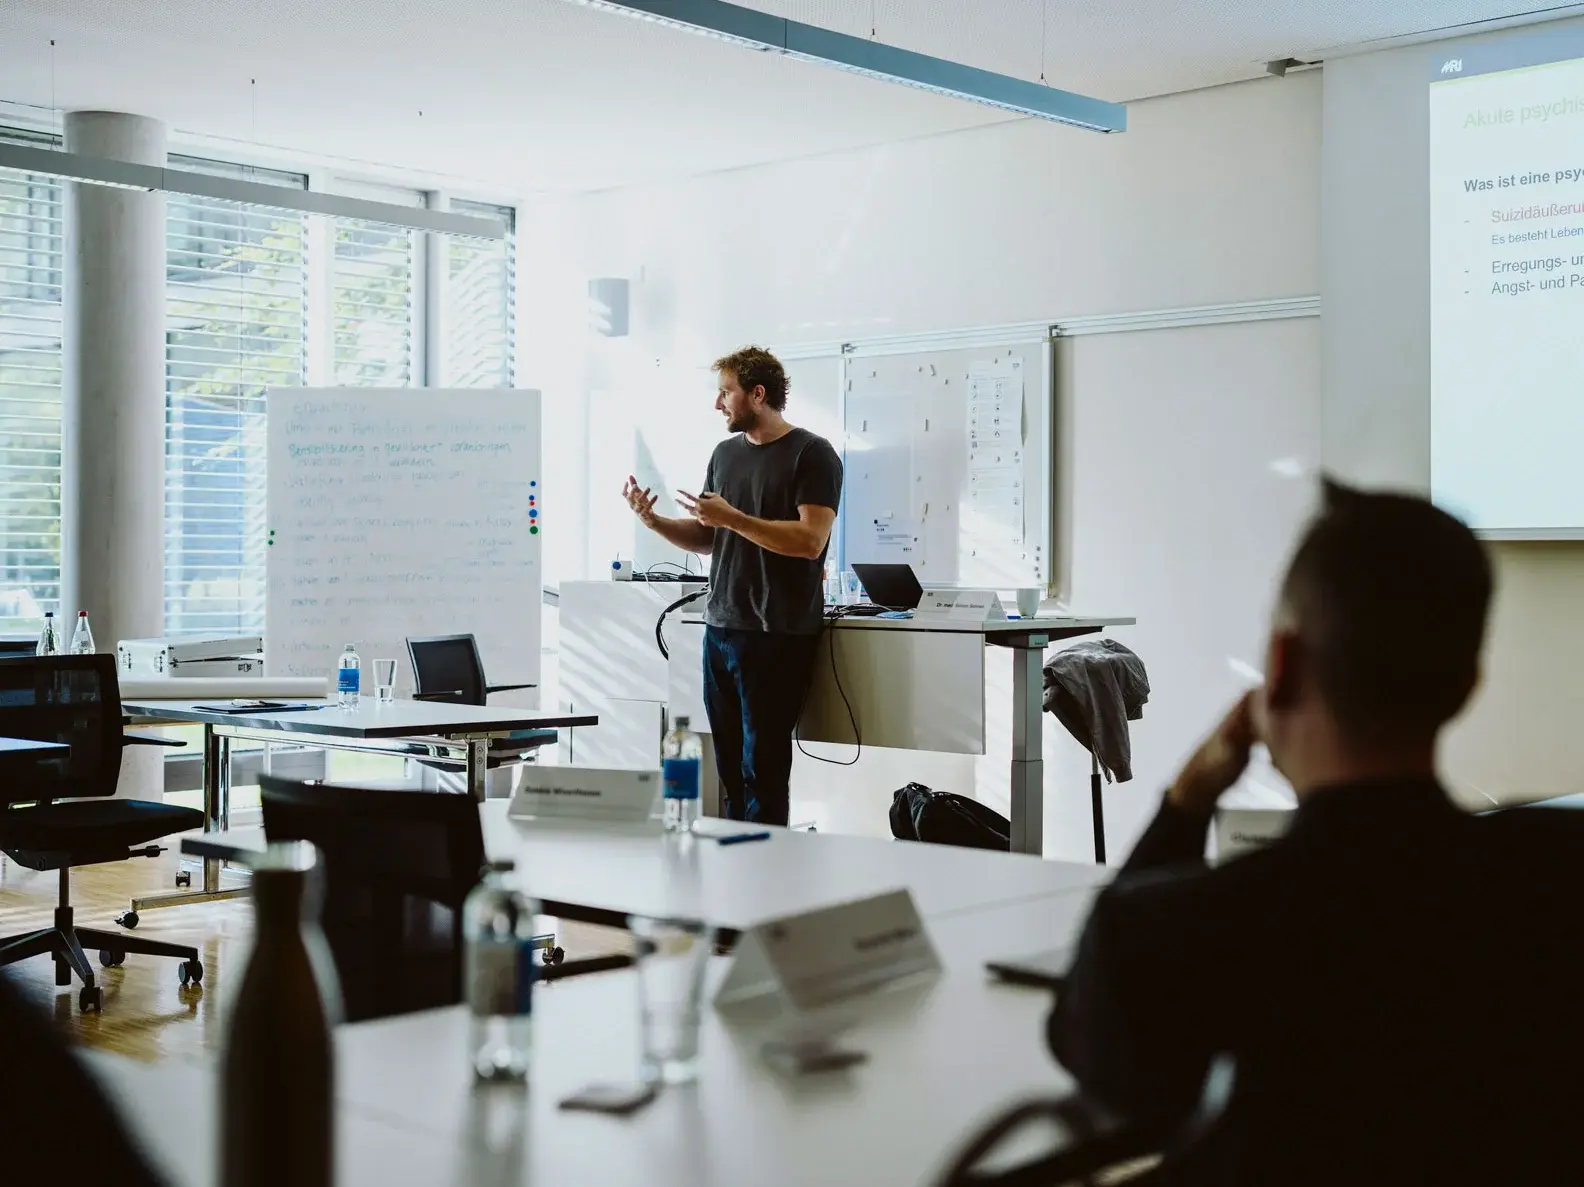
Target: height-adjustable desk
916,684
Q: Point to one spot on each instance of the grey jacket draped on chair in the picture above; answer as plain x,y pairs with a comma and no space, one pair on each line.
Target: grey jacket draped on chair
1095,688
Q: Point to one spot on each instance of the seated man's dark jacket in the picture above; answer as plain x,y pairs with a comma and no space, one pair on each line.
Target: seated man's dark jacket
1401,985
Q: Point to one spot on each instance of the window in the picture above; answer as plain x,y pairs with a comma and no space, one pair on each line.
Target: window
374,298
236,304
480,286
32,235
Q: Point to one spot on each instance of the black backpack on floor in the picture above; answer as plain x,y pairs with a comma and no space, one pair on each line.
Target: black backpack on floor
945,818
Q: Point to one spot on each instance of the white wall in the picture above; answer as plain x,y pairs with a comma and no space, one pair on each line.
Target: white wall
1210,197
1518,740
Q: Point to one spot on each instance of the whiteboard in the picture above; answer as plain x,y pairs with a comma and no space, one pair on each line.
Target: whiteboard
948,463
403,512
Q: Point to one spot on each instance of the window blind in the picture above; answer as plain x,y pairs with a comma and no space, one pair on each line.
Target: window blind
32,250
236,306
373,299
480,300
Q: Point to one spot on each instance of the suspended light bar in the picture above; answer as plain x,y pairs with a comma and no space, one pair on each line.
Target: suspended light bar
157,179
771,34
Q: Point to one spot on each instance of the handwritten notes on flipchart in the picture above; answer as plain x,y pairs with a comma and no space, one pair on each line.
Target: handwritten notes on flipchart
995,499
403,513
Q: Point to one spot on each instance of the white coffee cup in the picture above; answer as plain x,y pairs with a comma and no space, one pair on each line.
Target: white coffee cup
1028,602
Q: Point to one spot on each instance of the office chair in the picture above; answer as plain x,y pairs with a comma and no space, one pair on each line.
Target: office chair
58,812
398,865
448,669
1097,1145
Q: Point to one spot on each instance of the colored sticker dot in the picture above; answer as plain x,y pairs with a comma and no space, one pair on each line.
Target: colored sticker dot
533,515
531,482
533,531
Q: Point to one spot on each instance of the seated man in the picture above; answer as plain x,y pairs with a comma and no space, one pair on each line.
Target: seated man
1393,978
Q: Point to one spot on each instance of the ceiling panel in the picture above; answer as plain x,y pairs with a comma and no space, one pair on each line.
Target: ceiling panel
531,95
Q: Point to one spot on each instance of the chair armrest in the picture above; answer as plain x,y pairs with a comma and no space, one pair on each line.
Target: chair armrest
145,740
507,688
1094,1141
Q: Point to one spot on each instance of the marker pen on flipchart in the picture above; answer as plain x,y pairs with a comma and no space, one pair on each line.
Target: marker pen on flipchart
739,838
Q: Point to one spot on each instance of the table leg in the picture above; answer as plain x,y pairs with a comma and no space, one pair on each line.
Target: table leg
1028,746
477,768
217,815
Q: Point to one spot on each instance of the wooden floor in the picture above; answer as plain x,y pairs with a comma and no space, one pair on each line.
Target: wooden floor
147,1013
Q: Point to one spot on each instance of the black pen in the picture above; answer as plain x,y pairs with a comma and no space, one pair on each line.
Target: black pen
739,838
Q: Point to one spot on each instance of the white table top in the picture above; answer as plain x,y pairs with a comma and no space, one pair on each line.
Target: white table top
1055,628
591,871
398,719
942,1060
30,747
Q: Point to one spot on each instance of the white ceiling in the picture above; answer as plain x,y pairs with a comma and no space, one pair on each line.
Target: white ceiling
543,95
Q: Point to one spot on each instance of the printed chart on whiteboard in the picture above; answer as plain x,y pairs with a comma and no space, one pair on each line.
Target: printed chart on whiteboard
995,451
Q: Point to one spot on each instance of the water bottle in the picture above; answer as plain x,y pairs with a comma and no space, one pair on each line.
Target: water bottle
49,640
82,637
498,925
347,676
682,756
277,1083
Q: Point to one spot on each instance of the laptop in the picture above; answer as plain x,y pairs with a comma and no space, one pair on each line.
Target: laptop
893,587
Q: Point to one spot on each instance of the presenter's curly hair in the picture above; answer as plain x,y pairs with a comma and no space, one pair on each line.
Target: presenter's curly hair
754,366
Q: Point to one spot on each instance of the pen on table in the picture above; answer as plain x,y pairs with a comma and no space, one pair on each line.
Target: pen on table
739,838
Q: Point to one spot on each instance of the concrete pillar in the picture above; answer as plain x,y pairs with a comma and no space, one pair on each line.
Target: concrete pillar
113,407
113,414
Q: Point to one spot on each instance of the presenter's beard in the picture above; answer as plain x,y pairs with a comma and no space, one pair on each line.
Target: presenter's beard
742,422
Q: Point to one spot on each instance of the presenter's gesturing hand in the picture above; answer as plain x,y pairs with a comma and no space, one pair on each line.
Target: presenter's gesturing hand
640,500
710,510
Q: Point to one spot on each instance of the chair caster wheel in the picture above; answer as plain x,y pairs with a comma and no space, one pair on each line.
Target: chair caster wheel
112,958
63,972
128,919
91,999
184,878
554,956
190,972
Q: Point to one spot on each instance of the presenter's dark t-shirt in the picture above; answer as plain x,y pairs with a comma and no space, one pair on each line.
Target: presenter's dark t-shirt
751,588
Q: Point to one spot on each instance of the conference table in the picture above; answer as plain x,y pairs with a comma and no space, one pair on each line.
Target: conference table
942,1058
602,874
420,729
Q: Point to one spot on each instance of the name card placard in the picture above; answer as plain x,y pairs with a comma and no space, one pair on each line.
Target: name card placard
586,795
972,606
821,958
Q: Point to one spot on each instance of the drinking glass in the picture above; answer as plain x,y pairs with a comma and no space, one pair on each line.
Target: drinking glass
672,955
385,680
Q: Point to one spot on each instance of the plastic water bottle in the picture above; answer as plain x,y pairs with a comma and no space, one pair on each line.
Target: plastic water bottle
682,756
49,639
498,925
82,637
348,675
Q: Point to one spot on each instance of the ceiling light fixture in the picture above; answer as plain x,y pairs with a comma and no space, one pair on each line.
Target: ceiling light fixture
756,30
154,178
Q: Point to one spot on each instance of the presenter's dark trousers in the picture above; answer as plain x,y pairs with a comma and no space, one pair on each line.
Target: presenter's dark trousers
754,684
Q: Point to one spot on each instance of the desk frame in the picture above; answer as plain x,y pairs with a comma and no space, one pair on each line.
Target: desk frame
469,747
1027,640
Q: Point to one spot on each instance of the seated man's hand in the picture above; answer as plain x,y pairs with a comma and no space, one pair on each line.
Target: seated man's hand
1218,763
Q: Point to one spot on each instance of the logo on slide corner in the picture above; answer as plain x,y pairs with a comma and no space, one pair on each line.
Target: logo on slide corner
1452,66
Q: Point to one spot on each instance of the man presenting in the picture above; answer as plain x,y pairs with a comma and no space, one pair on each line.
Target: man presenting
764,516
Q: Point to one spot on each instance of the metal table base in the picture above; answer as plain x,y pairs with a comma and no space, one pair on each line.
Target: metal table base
472,753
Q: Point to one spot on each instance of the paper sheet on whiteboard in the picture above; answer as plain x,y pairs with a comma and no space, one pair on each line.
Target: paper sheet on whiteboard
995,451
